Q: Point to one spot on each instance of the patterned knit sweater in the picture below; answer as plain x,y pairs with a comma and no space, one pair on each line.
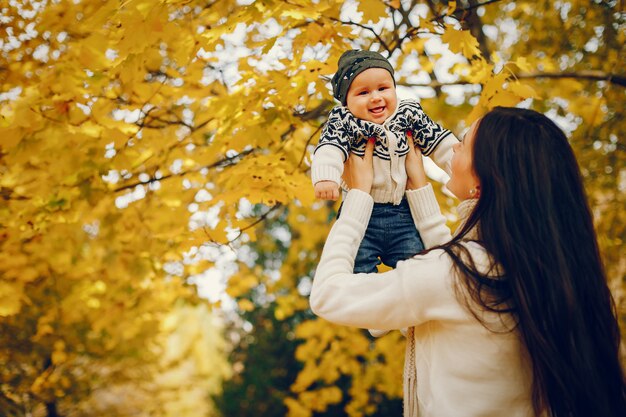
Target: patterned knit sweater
344,133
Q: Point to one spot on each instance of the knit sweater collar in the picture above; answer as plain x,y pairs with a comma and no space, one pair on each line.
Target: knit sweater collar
464,209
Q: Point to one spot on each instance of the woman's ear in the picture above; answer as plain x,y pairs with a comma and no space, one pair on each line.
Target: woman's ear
475,192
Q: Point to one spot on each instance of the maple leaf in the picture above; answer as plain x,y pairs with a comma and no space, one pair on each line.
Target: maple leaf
523,90
461,41
373,10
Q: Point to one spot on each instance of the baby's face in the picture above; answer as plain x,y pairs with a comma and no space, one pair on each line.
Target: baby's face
372,95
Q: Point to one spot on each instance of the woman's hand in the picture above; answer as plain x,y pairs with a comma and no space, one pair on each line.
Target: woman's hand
359,171
415,170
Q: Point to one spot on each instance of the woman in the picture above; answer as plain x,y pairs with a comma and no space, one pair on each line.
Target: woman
512,316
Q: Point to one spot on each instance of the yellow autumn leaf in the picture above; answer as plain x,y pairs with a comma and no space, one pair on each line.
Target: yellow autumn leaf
11,294
494,85
451,7
589,108
523,64
426,64
184,51
91,129
43,329
138,34
522,90
427,25
58,357
252,235
296,409
240,284
245,304
39,384
199,267
505,99
478,111
92,52
415,45
300,13
10,137
372,10
461,41
480,71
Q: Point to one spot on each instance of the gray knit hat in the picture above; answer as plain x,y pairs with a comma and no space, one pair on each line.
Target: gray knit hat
352,63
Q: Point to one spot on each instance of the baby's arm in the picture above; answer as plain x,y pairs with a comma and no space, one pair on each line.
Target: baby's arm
330,154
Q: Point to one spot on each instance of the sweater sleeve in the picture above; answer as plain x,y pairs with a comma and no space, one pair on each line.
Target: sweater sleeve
417,290
442,154
333,148
427,216
327,165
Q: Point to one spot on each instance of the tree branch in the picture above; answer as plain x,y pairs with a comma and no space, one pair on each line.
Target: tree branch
473,23
583,75
465,9
316,112
221,163
309,115
306,145
260,219
592,75
254,223
349,22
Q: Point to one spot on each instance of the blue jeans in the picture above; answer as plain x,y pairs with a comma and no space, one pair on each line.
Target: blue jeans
390,237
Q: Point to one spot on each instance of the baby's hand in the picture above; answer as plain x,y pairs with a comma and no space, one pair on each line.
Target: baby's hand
327,190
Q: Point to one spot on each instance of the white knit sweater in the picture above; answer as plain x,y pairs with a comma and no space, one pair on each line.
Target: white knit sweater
463,369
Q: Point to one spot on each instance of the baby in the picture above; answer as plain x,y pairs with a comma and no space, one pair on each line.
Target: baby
365,86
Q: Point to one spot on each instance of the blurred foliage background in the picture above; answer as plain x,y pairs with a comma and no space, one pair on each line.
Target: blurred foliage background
158,228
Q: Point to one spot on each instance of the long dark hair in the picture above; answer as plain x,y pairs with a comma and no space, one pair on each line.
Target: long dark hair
533,218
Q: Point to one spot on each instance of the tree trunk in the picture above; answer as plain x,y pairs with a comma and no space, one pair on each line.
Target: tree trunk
51,408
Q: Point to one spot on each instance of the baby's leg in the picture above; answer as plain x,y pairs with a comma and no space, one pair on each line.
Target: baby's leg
367,257
403,240
371,249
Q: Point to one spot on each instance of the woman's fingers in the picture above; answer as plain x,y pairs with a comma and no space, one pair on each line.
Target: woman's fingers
411,157
367,158
369,150
362,169
416,176
347,174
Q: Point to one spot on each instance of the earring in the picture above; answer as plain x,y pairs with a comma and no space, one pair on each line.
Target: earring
472,192
475,192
